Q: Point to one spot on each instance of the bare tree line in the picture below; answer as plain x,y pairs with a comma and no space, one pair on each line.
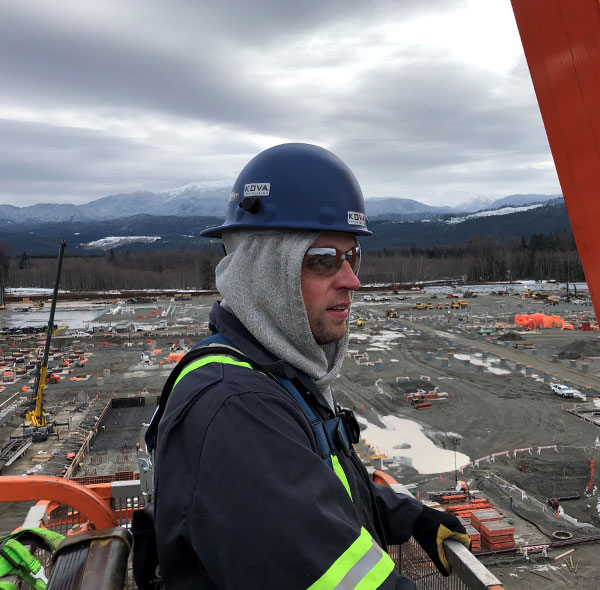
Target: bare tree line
483,259
182,269
486,259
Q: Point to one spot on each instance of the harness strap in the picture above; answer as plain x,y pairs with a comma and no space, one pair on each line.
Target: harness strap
331,435
198,351
15,559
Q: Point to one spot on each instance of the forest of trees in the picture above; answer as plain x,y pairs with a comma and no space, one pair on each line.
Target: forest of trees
182,269
542,257
552,256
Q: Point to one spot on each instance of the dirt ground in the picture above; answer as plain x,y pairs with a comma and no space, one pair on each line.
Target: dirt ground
494,412
496,408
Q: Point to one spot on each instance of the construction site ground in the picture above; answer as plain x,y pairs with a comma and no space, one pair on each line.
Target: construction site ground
518,441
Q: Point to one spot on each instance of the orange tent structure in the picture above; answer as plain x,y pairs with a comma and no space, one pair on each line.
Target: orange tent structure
175,357
541,320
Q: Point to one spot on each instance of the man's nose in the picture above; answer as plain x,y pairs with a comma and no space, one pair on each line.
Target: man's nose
345,278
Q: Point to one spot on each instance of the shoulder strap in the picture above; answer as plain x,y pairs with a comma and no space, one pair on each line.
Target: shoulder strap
330,435
216,343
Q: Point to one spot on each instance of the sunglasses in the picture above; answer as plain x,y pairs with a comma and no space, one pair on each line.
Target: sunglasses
327,261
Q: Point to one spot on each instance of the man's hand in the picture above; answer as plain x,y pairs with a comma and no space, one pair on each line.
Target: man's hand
432,528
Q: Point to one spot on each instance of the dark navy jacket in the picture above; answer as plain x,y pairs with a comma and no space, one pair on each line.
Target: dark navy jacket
243,498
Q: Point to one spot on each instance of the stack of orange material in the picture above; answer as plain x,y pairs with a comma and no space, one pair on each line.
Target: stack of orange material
478,517
497,534
466,508
453,499
475,537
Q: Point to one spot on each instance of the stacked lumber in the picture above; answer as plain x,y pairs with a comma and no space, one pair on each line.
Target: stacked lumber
423,395
422,405
475,537
480,516
497,534
453,498
466,508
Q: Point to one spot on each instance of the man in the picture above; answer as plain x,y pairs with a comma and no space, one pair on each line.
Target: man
257,484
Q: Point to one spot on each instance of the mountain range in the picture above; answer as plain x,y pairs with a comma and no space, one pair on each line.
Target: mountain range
173,219
209,199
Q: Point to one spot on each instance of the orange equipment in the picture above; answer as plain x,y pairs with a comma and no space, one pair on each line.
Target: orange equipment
541,320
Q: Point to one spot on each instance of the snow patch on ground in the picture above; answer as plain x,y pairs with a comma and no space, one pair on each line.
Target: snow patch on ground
354,336
115,241
487,363
381,340
448,335
398,432
503,211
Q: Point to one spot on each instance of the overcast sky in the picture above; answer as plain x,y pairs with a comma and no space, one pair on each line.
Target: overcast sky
423,99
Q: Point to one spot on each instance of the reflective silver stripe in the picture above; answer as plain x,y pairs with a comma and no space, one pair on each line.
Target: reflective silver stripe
361,568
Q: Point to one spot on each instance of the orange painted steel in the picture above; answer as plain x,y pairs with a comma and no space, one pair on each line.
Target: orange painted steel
561,43
56,489
383,478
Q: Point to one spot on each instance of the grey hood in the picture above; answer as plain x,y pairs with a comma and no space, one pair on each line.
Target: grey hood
259,280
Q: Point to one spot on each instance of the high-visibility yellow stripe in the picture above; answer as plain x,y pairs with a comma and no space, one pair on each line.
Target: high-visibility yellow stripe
363,566
225,360
377,575
339,471
343,564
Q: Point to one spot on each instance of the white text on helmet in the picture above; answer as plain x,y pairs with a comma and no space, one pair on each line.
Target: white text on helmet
356,218
257,189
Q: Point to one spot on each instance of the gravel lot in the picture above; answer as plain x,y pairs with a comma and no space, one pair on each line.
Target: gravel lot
494,408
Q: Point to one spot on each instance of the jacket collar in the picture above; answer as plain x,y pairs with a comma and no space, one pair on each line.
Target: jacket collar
226,323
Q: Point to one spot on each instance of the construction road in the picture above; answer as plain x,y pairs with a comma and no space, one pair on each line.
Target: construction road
558,370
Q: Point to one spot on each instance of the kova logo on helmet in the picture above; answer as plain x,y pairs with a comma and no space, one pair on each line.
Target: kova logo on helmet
257,189
357,218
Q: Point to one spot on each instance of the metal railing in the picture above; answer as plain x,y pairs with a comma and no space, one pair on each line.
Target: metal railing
124,497
468,573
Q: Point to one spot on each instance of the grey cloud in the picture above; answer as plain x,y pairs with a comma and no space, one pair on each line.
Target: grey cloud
416,118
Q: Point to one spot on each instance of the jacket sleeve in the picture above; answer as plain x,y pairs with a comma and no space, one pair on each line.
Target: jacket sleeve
265,510
398,513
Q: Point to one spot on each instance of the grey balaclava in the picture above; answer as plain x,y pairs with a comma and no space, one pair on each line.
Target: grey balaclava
259,280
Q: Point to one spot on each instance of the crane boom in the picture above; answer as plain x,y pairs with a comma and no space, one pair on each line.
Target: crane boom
37,416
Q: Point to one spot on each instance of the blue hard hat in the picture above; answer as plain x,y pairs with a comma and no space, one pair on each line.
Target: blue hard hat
295,186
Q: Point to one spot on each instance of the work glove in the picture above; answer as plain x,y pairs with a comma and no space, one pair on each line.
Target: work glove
432,528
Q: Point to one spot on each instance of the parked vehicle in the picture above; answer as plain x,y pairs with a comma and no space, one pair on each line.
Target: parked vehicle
562,390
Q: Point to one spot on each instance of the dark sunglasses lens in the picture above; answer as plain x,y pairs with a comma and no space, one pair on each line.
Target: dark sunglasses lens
321,264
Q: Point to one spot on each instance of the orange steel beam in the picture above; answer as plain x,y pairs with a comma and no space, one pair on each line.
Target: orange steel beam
57,489
561,39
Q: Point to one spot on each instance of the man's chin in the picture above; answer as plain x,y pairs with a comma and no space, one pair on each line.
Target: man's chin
330,336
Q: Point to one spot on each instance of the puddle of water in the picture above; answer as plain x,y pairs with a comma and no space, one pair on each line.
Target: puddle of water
425,456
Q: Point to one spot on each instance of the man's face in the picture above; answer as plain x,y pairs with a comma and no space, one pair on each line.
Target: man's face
327,298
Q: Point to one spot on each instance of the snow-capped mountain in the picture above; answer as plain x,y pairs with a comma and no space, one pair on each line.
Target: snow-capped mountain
171,232
209,199
194,199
